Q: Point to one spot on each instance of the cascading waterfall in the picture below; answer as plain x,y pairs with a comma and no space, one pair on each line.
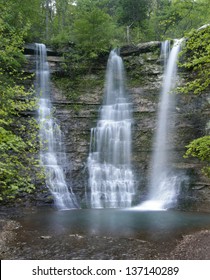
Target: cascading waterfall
165,51
52,156
164,184
111,179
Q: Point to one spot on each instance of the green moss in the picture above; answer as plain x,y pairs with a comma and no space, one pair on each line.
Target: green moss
74,88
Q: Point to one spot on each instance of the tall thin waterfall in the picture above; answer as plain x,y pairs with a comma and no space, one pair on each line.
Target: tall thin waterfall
111,179
52,156
164,183
165,51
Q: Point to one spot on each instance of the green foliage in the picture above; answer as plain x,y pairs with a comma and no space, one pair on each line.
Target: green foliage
74,88
200,148
64,21
133,12
18,142
69,87
17,159
162,19
196,59
172,19
18,147
94,32
24,14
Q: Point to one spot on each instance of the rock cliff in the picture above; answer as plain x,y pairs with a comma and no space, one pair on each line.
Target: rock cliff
78,113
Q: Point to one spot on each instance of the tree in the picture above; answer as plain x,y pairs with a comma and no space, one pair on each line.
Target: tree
62,24
200,148
196,60
94,31
22,13
172,19
133,11
16,144
133,15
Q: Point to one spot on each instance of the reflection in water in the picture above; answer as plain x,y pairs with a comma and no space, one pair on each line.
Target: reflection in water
114,222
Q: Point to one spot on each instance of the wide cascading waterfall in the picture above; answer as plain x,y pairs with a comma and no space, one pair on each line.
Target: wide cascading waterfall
164,184
52,156
111,179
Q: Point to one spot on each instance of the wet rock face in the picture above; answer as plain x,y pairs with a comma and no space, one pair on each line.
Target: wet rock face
144,71
76,119
140,48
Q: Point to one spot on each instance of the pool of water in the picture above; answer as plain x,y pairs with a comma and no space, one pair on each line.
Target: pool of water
114,222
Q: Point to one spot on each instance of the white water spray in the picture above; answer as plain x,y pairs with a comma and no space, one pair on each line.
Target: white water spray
164,185
111,179
52,156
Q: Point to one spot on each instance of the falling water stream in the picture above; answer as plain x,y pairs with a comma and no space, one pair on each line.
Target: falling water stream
165,51
163,182
53,158
110,176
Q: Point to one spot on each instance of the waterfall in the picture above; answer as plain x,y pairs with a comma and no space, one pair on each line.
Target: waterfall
52,156
164,184
165,51
111,179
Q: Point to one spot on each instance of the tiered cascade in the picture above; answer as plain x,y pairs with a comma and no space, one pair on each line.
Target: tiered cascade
111,179
52,155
